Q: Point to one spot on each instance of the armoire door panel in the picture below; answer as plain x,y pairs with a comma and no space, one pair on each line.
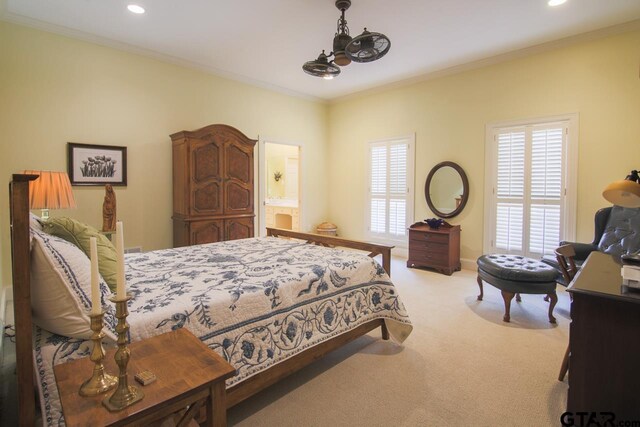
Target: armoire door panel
206,232
206,188
206,161
239,198
239,163
207,199
238,228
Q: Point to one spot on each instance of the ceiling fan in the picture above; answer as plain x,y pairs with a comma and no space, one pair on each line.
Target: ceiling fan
366,47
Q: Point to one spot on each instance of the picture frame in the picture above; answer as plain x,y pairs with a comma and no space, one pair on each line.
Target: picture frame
91,164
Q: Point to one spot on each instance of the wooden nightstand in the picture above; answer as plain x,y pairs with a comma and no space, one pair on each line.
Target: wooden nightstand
435,248
189,374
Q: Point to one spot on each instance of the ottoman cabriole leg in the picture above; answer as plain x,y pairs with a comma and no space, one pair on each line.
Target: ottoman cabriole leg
518,299
507,297
554,299
481,290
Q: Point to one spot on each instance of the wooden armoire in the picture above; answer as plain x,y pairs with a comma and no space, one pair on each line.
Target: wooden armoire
212,185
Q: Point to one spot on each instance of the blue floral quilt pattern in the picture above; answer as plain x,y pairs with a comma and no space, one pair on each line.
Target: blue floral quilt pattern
256,302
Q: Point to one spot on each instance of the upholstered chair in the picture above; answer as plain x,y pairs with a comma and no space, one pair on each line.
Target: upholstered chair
617,232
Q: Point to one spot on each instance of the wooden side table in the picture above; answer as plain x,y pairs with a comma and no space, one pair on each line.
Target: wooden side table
189,375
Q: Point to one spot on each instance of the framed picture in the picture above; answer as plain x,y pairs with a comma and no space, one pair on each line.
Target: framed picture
90,164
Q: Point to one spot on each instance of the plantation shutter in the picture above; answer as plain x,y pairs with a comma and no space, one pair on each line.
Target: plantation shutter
389,188
378,189
510,191
528,190
546,189
398,189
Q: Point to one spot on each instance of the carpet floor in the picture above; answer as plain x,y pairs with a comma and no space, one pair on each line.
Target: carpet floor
462,365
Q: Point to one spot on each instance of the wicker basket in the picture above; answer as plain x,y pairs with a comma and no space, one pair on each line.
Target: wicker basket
327,229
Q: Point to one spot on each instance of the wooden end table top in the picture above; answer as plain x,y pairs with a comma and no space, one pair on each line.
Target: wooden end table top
183,365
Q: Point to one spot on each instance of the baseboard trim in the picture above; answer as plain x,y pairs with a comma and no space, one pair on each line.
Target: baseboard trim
468,264
6,295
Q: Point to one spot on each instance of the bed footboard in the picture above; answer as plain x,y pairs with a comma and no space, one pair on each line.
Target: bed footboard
374,249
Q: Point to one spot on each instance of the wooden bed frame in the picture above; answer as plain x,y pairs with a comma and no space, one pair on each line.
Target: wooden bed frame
20,252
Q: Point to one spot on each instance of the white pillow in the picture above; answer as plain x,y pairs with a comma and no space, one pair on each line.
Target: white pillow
61,288
35,222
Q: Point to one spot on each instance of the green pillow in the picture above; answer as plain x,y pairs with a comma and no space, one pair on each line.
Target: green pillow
79,234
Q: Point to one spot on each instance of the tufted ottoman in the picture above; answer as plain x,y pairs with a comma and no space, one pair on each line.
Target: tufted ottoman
515,275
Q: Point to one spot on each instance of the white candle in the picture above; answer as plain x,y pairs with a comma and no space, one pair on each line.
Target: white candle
120,287
95,278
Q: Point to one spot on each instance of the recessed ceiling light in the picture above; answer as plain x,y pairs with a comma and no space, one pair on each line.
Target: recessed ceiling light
139,9
556,2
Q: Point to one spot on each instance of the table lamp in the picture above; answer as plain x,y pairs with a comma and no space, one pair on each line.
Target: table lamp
625,193
52,190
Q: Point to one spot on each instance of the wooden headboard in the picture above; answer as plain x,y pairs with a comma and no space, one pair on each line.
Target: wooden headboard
21,263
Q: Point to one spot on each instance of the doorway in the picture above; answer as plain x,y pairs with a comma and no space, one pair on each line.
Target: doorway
280,200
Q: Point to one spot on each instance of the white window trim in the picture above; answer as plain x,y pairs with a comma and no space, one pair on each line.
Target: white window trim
571,174
411,159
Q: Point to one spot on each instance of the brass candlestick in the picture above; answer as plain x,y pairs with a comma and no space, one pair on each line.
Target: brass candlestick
100,381
125,394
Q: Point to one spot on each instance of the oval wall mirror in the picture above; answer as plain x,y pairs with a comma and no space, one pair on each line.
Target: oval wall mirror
446,189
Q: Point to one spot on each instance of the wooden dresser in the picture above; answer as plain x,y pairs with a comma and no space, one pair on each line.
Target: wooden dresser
434,248
212,185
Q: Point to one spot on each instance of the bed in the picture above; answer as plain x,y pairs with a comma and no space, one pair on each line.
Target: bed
268,305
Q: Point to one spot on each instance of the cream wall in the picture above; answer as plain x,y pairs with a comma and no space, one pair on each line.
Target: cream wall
55,89
597,79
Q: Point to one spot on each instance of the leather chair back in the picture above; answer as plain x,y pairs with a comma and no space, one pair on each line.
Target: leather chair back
622,232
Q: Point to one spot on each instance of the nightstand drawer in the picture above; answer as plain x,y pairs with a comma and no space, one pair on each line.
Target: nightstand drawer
428,246
429,237
429,256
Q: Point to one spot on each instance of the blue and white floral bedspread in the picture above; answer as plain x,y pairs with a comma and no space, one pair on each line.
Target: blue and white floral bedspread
255,301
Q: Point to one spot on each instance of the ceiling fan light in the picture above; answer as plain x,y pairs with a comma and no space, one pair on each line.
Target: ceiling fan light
321,67
368,47
341,58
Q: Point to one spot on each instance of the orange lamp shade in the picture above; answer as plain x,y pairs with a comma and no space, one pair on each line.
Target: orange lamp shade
625,193
52,190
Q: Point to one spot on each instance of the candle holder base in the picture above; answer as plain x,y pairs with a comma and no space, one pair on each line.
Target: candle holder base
124,395
99,383
122,399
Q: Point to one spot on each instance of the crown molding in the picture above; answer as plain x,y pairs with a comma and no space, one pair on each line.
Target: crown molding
492,60
121,46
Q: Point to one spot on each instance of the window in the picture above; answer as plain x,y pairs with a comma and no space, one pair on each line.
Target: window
531,190
390,188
